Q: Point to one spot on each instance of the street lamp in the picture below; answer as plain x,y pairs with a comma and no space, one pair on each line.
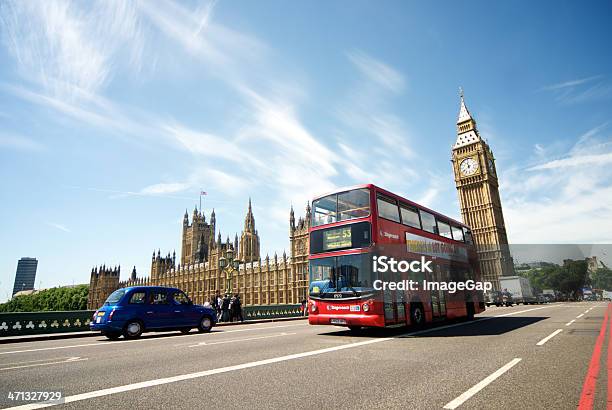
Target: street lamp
228,265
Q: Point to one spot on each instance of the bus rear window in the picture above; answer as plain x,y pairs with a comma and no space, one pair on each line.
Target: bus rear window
341,207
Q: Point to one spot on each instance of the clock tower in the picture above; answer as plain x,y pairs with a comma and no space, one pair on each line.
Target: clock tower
481,209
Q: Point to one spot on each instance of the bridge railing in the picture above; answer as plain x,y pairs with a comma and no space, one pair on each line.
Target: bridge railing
31,323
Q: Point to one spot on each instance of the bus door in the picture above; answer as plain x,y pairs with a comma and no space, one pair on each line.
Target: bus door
438,297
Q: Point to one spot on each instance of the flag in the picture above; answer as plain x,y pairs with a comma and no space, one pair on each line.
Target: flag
202,193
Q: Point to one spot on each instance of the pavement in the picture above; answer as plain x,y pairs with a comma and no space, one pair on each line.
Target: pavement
509,357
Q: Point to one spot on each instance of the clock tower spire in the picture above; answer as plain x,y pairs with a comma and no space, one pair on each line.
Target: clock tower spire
478,189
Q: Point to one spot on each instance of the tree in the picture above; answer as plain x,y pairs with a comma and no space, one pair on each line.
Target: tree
73,298
602,279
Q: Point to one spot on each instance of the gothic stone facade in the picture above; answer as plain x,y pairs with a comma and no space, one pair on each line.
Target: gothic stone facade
272,280
481,209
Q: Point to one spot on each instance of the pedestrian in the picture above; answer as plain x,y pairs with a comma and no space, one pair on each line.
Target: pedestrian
219,305
304,307
232,308
237,306
225,313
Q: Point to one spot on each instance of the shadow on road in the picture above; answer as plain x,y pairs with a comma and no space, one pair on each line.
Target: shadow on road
488,327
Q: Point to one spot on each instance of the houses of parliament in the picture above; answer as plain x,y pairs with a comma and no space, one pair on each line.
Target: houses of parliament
284,279
272,280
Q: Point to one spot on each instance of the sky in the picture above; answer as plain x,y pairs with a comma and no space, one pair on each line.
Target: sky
114,115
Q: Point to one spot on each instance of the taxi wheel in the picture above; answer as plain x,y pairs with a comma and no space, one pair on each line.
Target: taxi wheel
133,329
112,336
205,324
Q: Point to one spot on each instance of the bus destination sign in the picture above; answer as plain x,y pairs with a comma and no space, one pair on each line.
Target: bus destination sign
337,238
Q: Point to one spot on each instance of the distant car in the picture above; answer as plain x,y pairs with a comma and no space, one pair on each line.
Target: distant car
134,310
542,299
507,298
494,297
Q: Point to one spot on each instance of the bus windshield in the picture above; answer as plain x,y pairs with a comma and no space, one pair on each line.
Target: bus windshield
341,207
351,274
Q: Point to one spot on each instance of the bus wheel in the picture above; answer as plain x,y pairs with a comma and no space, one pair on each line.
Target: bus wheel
469,307
417,315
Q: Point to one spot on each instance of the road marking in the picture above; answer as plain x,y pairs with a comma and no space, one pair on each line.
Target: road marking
68,360
579,316
110,343
570,322
190,376
550,336
481,385
241,340
587,395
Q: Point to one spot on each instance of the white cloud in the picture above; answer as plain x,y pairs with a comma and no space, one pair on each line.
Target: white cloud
58,226
580,90
377,71
164,188
565,200
70,51
571,83
19,142
576,161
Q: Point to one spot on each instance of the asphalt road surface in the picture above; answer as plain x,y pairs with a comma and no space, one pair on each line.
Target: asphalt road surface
530,357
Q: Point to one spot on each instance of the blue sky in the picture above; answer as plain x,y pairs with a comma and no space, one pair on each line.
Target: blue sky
115,114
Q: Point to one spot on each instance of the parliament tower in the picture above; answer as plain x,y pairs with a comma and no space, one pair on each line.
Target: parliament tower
478,189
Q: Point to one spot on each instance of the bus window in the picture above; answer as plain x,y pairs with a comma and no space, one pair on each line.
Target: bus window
444,229
387,208
457,233
429,222
410,217
353,204
468,236
324,210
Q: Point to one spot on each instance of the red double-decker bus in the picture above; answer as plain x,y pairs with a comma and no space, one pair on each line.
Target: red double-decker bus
352,226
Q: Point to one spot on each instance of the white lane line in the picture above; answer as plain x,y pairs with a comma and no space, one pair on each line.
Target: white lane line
481,385
587,311
69,360
109,343
579,316
570,322
220,342
550,336
189,376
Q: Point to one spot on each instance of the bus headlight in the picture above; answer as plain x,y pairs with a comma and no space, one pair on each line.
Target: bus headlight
366,307
313,307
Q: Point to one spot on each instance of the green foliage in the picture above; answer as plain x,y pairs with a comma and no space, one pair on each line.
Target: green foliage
569,278
74,298
602,279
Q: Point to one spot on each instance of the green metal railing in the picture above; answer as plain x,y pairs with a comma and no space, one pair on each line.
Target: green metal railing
31,323
255,312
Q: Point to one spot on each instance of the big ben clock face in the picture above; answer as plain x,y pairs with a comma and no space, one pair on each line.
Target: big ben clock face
468,166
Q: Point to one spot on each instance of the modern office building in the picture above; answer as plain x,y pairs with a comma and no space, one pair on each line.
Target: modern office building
26,274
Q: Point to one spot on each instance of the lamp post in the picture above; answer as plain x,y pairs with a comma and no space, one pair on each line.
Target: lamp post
228,265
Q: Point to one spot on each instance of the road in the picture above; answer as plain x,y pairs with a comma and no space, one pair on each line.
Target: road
513,357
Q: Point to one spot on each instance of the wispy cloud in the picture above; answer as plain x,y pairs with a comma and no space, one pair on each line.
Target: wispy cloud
571,83
58,226
580,90
377,71
571,196
68,50
18,142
